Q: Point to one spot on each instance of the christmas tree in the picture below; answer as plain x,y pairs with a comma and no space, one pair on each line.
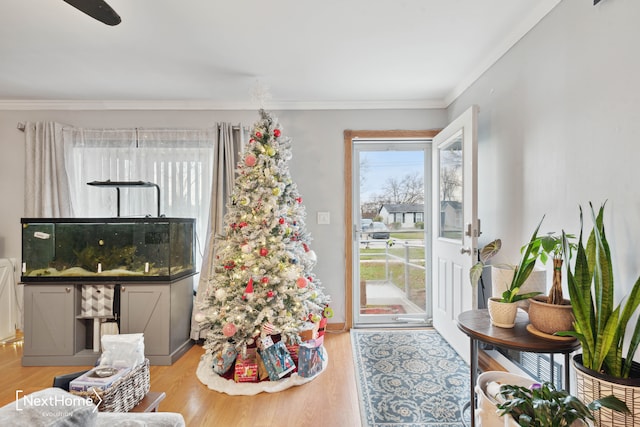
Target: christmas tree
262,279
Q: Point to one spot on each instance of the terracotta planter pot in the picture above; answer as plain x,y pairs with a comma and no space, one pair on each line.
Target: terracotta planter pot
592,385
502,314
550,318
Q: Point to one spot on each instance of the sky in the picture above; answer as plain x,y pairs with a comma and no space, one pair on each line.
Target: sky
381,165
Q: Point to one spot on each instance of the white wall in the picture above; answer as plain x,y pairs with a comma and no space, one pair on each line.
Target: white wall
559,126
317,166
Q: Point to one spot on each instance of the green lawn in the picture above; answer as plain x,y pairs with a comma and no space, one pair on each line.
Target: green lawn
408,235
414,253
375,271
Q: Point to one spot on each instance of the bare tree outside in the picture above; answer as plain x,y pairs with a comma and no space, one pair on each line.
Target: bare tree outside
450,183
406,190
451,173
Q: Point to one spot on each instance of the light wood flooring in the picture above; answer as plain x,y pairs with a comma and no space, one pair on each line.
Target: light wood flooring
329,400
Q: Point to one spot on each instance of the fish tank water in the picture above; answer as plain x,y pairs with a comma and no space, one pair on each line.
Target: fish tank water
150,248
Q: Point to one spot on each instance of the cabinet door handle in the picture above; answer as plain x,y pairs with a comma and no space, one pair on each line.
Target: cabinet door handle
67,290
122,289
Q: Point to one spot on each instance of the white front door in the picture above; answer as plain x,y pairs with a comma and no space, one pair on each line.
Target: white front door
455,226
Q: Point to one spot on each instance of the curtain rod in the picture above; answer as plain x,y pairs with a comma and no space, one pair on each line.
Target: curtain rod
21,126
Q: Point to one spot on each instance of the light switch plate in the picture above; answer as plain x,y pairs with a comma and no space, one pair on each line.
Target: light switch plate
324,218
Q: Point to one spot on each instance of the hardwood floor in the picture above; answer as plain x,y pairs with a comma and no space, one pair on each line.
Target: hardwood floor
329,400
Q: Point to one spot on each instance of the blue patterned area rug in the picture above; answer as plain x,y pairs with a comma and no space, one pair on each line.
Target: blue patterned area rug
409,378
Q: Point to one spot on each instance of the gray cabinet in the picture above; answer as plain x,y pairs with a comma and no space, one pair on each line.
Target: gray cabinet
56,334
49,316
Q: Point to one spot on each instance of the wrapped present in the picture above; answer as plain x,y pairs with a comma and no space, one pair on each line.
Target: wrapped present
277,361
322,326
310,358
309,331
223,360
293,351
246,370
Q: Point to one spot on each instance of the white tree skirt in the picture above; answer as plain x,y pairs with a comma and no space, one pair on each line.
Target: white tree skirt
216,382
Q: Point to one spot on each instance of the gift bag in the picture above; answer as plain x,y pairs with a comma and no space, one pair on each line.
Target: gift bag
277,361
263,374
97,300
223,360
310,358
293,351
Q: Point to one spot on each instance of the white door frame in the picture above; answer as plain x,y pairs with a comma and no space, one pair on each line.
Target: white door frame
349,136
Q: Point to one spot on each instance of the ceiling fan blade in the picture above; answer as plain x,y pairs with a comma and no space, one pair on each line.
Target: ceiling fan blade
97,9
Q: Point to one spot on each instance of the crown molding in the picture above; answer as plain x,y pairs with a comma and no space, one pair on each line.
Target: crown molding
84,105
519,31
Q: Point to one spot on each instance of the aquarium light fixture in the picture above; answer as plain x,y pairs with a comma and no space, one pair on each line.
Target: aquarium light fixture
118,184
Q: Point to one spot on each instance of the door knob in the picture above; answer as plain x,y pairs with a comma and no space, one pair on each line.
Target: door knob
464,250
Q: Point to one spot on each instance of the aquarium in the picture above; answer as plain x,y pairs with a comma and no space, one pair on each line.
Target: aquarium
121,249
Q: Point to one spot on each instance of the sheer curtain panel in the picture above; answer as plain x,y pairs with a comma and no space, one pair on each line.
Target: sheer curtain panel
180,162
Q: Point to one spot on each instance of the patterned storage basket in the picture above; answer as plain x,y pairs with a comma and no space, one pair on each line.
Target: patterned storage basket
97,300
591,386
123,394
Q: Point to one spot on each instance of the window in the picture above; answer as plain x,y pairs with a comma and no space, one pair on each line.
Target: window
180,162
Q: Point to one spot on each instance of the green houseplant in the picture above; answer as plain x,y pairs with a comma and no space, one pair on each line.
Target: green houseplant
522,271
503,309
599,325
551,313
541,405
551,246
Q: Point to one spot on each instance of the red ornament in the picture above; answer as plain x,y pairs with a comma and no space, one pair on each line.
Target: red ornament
250,160
270,294
276,132
242,224
299,199
229,330
306,248
281,220
301,282
310,279
249,288
264,251
251,141
265,280
258,135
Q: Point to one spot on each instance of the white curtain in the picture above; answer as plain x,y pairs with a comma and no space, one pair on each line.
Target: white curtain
180,162
47,192
229,142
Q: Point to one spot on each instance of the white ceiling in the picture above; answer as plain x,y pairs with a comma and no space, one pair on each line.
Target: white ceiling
225,53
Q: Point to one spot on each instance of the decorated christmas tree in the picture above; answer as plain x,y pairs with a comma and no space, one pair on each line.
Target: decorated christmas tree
262,281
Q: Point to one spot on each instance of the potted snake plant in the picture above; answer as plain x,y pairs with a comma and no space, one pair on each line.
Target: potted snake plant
606,364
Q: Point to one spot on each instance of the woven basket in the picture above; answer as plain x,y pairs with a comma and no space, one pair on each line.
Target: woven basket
591,385
123,394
